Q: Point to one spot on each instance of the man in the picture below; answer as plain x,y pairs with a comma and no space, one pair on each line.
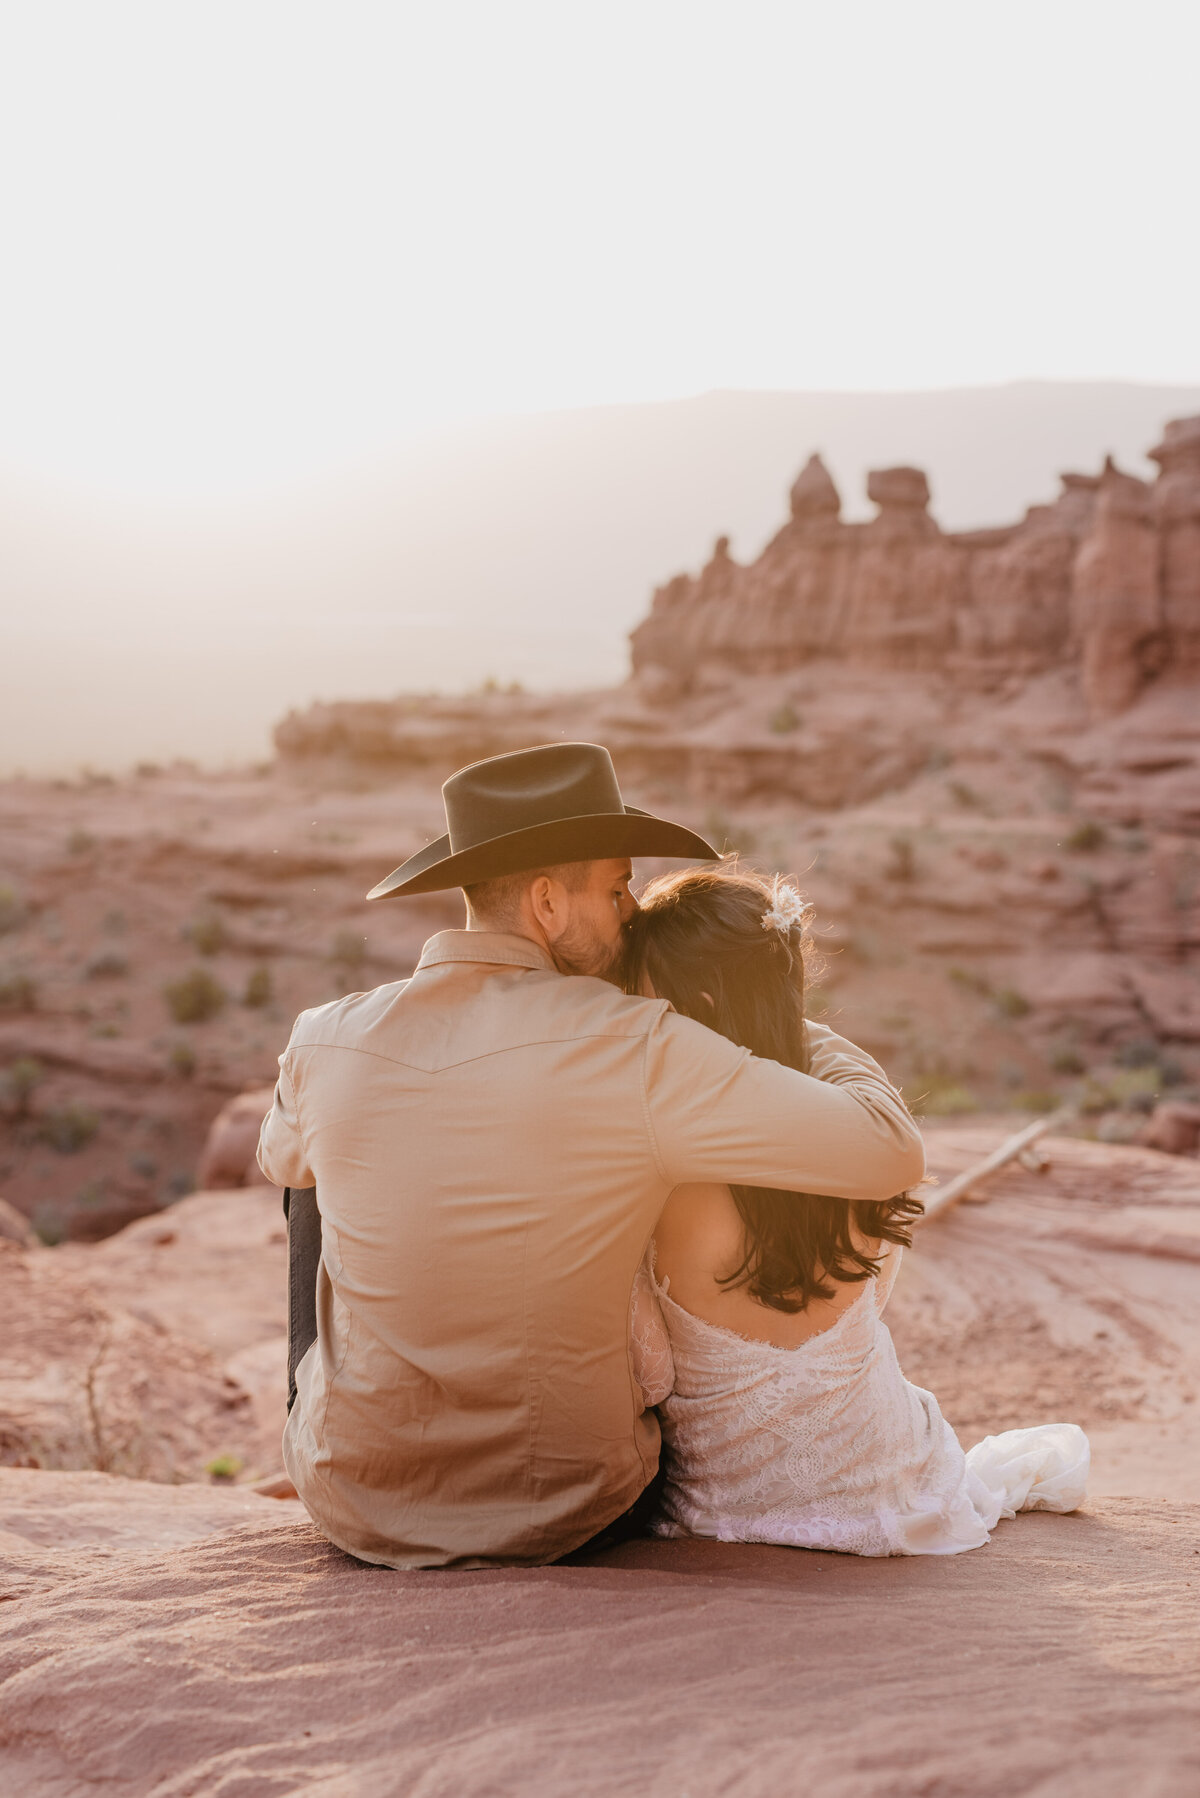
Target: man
491,1145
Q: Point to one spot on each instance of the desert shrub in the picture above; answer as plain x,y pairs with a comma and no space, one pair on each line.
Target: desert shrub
144,1166
1141,1053
962,794
18,991
259,988
106,964
783,719
1036,1099
179,1185
208,933
1086,837
969,980
49,1222
12,912
945,1099
902,861
17,1084
1068,1061
148,770
194,998
224,1467
68,1128
79,841
1135,1089
181,1059
1010,1003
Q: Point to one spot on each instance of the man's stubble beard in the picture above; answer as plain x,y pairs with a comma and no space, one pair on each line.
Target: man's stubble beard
578,952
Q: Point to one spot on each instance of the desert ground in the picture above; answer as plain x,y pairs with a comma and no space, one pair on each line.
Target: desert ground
164,1635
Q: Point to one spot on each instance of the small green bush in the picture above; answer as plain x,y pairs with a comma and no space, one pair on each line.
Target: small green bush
12,912
970,981
181,1060
18,991
784,719
69,1128
902,863
107,964
1086,837
946,1100
224,1467
1010,1003
1068,1061
962,794
208,933
79,841
49,1223
1036,1099
17,1084
194,998
260,989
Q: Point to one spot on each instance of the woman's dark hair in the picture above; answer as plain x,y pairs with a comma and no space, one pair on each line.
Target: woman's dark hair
702,939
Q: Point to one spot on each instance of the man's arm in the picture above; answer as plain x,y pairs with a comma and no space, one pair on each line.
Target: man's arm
716,1112
280,1147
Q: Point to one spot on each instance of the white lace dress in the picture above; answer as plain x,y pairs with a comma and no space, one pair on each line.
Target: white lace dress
827,1445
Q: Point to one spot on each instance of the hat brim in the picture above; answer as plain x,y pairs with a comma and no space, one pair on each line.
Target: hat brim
594,837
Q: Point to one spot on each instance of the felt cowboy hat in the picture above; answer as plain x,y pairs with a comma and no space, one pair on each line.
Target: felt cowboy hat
559,802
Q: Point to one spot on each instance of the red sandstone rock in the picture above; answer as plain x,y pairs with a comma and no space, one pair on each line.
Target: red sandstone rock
1174,1128
1116,607
228,1156
1177,512
13,1227
1107,578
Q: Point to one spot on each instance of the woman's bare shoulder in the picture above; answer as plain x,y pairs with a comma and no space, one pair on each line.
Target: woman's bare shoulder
699,1225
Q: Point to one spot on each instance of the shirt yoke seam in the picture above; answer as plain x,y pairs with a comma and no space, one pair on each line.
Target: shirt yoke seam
486,1055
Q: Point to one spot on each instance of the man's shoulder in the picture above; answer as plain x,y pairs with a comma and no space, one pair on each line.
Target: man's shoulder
344,1020
586,1005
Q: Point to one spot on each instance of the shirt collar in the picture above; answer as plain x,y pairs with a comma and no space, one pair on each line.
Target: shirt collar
483,945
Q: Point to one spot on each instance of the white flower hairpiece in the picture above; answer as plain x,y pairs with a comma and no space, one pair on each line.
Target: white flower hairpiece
787,908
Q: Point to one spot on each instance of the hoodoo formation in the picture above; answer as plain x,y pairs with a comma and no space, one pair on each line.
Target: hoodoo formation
1106,580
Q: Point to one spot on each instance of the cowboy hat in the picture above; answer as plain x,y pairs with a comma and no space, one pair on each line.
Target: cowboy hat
559,802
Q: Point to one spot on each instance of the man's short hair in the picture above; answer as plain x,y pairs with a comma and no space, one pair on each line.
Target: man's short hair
498,901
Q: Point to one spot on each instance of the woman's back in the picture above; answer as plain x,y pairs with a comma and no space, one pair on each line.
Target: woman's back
701,1239
822,1445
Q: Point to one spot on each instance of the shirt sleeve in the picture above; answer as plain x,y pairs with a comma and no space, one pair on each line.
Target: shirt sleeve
716,1112
281,1154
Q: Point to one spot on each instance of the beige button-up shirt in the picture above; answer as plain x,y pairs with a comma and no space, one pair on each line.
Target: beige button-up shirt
492,1143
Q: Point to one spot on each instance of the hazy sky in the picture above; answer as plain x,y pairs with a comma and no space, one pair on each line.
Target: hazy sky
246,241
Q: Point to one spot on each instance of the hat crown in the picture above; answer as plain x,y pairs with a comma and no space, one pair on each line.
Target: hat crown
544,785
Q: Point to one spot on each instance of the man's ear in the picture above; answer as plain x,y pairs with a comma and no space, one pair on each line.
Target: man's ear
541,901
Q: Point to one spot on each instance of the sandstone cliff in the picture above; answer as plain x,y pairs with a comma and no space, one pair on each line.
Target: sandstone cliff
1105,581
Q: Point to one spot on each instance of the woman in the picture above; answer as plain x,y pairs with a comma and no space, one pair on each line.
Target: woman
757,1320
